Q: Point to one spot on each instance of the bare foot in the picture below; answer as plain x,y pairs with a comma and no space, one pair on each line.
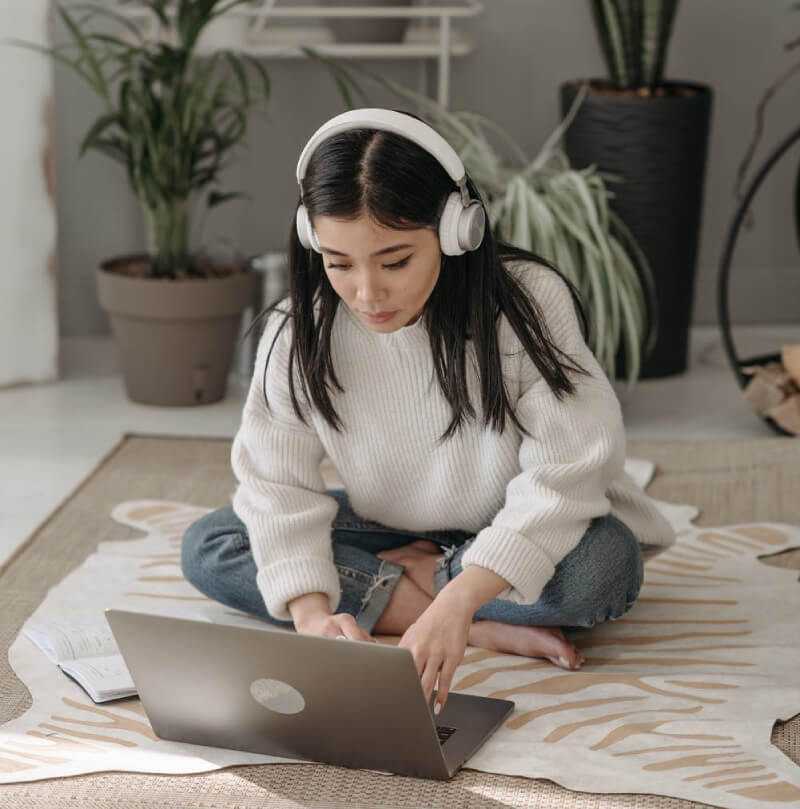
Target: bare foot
420,559
530,641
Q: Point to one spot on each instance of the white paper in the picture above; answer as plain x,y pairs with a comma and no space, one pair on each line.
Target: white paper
73,638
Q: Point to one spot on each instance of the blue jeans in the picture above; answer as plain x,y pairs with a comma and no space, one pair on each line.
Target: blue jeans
597,581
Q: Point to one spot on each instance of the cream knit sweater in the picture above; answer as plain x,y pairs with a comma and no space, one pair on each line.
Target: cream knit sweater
528,500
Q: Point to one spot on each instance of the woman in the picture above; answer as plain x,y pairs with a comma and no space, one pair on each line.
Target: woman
447,378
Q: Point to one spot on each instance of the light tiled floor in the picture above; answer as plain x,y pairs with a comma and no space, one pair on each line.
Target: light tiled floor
53,435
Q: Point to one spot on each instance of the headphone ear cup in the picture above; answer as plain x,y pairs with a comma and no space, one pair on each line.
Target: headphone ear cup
461,229
306,233
471,226
448,226
301,223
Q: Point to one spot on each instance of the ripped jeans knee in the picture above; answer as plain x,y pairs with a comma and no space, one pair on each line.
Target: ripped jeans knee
367,584
387,581
443,572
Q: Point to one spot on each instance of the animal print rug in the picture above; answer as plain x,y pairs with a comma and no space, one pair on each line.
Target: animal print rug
676,698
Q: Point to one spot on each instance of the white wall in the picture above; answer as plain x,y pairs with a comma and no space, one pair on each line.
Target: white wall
525,50
28,325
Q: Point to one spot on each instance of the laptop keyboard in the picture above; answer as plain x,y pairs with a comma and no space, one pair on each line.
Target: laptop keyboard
444,733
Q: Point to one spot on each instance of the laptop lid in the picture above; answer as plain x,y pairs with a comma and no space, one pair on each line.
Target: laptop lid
273,691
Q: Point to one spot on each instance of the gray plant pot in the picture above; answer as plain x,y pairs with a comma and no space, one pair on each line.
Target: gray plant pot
366,29
176,338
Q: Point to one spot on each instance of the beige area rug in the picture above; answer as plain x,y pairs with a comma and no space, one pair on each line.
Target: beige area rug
678,698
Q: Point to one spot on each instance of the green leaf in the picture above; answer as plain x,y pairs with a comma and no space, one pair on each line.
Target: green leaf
666,23
97,129
217,198
158,7
107,39
240,75
113,147
616,45
634,36
122,19
344,78
646,277
97,80
262,72
73,64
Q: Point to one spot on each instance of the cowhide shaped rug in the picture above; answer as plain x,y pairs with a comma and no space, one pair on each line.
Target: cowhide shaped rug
676,698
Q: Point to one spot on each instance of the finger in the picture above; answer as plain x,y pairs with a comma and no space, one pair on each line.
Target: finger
364,636
418,658
349,628
445,681
352,631
359,633
429,675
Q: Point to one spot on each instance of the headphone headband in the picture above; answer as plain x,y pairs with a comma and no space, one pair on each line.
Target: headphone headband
463,221
390,121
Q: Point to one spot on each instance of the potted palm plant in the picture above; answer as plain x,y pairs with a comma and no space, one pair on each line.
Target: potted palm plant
172,120
542,204
651,135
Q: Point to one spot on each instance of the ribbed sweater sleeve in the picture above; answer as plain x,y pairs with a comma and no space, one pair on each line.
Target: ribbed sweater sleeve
577,446
280,494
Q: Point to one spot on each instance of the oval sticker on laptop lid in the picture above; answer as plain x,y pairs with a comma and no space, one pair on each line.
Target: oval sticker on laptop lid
277,696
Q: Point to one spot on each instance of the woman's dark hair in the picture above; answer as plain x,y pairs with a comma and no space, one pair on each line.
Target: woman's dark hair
400,185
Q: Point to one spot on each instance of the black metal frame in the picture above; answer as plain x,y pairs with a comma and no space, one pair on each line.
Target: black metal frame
724,272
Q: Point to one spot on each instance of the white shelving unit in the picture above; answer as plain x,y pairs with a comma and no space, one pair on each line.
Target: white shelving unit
272,29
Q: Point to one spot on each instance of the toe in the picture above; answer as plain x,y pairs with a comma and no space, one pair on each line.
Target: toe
548,642
569,656
566,656
569,662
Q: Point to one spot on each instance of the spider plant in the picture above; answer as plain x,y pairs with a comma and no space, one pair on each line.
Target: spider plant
170,119
541,204
634,35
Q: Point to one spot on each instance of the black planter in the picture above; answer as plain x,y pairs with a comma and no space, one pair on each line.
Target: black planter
657,146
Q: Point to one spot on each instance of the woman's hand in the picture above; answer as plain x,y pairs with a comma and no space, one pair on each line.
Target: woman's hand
332,626
437,640
311,615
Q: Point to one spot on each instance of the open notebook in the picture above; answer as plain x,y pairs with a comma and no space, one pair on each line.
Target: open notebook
84,648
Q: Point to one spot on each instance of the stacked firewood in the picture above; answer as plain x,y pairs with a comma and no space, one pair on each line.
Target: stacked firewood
774,389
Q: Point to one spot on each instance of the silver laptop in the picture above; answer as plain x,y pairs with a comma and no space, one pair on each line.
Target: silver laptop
269,690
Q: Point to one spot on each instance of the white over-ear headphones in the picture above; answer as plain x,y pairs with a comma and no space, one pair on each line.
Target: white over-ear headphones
463,220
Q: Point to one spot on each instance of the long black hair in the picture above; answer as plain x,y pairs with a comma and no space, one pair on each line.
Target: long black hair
400,185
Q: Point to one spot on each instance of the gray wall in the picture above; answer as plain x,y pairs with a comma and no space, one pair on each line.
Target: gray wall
524,50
